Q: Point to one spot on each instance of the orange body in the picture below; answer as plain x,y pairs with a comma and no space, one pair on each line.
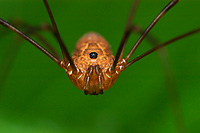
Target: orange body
93,43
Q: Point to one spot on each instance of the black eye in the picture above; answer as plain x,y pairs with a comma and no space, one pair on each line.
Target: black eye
93,55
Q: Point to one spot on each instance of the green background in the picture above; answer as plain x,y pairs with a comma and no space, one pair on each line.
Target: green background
38,97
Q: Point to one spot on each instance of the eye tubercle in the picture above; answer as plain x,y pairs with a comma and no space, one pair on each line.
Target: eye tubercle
93,55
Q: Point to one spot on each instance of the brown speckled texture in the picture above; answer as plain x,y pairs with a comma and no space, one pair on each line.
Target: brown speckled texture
93,42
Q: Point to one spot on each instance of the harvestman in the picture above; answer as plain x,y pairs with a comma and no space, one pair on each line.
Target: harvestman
92,68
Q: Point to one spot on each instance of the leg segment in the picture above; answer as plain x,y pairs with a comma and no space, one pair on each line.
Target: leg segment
14,47
125,34
161,46
7,25
138,30
33,30
147,30
65,53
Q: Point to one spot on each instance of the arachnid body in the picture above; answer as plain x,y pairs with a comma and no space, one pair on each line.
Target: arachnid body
93,68
94,59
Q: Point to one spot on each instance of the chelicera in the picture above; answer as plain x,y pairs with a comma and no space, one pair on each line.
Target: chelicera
92,67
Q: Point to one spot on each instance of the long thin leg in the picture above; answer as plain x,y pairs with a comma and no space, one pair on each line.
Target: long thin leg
150,38
33,30
7,25
64,50
168,7
169,81
161,46
47,44
125,34
14,47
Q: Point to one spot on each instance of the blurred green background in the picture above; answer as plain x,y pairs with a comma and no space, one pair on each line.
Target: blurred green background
38,97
